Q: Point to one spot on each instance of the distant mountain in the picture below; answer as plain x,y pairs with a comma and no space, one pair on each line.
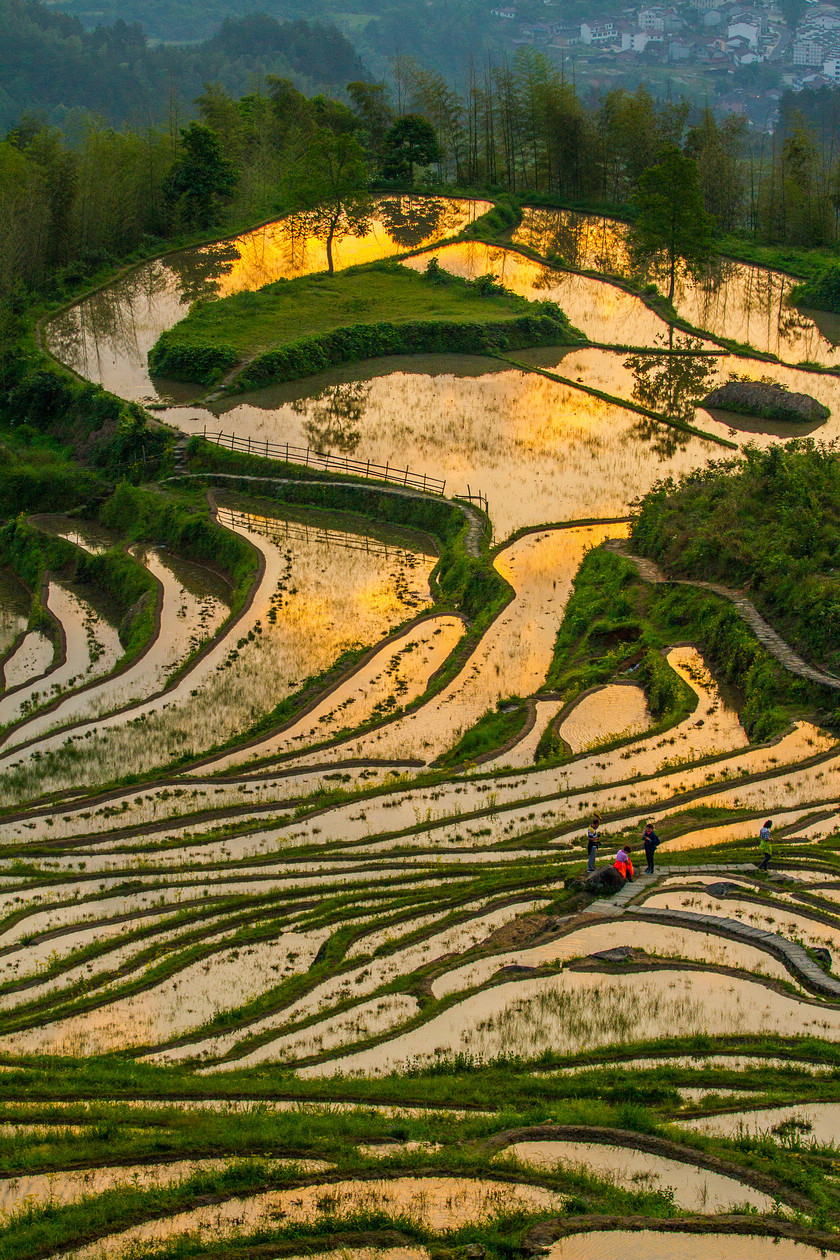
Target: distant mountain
51,65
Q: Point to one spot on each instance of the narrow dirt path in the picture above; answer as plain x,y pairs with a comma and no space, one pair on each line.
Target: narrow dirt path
746,610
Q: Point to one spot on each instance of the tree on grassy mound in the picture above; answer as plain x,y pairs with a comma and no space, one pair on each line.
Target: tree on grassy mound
328,189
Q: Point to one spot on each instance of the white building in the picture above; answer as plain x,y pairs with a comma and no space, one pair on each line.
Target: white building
597,31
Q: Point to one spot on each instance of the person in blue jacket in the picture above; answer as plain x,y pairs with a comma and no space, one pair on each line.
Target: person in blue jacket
651,842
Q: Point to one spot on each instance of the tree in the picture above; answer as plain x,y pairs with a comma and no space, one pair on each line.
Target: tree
328,189
199,178
671,224
410,142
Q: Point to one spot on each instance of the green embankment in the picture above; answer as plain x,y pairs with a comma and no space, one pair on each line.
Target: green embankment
615,622
293,328
821,292
768,523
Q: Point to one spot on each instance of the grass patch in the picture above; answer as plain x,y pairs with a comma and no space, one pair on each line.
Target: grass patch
294,327
492,730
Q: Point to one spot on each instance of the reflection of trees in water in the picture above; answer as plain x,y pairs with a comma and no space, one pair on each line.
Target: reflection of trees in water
409,221
738,300
582,241
197,271
331,425
671,384
106,323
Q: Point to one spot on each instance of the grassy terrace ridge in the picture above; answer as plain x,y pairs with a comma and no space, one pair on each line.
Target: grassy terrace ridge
288,328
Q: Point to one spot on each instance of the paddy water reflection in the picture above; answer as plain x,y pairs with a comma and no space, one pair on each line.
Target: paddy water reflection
107,335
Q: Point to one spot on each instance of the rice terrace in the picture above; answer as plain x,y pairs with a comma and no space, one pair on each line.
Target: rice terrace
333,720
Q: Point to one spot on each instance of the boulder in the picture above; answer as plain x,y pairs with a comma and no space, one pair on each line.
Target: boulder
823,956
619,953
767,400
722,889
603,882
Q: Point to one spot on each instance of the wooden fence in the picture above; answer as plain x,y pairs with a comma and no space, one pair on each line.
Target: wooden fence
328,463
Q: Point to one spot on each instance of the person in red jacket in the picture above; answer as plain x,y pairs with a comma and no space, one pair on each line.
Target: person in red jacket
623,863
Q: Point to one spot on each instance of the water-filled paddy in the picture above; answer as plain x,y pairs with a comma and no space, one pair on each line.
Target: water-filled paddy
107,336
569,1012
615,712
495,432
603,312
514,654
316,599
439,1203
693,1189
808,1123
668,1245
739,301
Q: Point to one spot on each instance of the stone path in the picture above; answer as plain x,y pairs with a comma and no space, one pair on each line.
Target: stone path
797,958
745,608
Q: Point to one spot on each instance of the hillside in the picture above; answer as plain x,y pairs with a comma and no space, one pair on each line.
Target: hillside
51,65
768,523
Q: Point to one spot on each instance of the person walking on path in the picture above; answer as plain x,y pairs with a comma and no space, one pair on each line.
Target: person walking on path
593,839
623,863
764,845
651,842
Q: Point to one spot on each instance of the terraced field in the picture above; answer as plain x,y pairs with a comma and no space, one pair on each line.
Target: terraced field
296,954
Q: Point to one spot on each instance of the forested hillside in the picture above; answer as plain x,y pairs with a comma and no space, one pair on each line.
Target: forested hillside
51,65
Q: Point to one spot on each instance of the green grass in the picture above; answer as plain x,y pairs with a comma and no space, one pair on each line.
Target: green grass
290,309
493,729
287,328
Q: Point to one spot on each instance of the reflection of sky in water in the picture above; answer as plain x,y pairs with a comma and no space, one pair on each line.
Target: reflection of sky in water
601,311
737,300
578,455
107,336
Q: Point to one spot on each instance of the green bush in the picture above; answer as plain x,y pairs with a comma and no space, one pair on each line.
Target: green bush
822,293
767,522
205,364
371,341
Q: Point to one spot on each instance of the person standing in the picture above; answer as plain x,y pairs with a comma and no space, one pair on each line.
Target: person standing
764,845
593,839
651,842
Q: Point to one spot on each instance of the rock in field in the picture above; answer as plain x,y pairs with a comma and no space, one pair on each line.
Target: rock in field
767,400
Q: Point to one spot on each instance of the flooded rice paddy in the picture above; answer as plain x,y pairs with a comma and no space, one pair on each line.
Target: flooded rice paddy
298,891
439,1203
576,1010
666,1245
614,712
808,1123
739,301
107,336
692,1189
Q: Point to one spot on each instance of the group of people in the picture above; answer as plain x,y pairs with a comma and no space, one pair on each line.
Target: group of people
623,861
650,842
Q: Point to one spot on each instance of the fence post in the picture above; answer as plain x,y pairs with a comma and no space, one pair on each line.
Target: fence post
287,452
442,487
266,448
218,439
249,443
